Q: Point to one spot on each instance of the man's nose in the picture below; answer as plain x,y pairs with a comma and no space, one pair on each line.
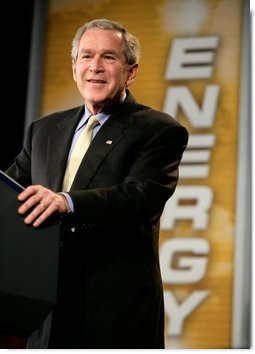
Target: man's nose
96,65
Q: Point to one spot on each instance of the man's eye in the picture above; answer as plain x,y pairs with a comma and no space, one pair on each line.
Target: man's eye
85,56
109,58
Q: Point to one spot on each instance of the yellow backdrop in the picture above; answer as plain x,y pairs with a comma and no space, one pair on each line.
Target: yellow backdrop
198,225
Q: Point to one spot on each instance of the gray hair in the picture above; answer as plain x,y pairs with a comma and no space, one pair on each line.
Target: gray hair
132,47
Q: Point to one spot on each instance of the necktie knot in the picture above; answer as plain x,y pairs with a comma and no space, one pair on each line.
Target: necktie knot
92,121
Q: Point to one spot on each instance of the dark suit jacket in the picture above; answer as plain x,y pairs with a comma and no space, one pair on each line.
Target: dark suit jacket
110,290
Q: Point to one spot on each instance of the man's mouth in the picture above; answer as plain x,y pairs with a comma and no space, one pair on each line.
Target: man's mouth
97,81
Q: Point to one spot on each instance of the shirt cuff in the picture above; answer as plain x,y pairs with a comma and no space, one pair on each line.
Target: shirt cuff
69,201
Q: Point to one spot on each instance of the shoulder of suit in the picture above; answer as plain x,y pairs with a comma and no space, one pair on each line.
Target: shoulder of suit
152,115
60,115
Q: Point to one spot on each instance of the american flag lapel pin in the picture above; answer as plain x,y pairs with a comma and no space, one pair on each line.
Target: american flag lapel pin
108,142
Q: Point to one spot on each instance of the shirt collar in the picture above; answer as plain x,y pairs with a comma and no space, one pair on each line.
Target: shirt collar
102,116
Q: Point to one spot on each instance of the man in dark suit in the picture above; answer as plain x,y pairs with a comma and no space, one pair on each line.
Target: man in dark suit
109,288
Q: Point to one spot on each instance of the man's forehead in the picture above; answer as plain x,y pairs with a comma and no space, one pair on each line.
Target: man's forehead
104,32
106,40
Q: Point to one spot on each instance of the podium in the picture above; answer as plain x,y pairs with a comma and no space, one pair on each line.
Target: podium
28,265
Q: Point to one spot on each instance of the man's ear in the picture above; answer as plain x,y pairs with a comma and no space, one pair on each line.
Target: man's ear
74,71
133,70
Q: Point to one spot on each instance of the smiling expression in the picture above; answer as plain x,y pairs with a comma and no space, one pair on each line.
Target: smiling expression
101,71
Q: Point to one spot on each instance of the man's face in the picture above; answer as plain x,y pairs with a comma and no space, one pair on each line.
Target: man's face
101,71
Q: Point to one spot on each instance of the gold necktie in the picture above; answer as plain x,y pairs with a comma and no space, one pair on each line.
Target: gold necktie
78,152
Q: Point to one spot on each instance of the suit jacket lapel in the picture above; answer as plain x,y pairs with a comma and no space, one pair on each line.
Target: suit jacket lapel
58,148
106,139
